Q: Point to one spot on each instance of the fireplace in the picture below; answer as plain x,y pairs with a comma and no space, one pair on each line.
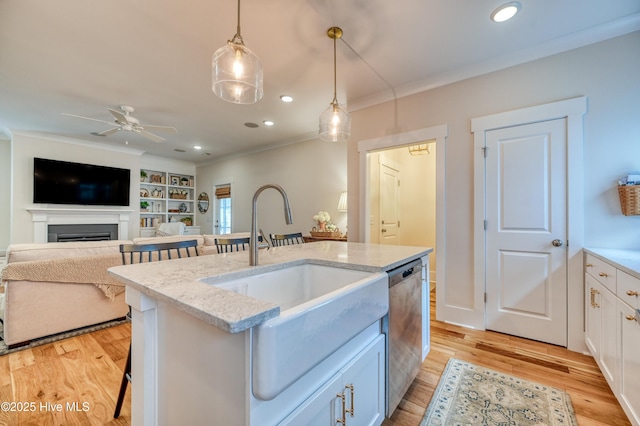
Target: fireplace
43,218
82,232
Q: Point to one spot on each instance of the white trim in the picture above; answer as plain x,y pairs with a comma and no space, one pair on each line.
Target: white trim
572,110
43,217
80,142
592,35
439,133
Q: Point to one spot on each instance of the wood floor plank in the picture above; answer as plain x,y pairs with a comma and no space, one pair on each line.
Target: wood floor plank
88,368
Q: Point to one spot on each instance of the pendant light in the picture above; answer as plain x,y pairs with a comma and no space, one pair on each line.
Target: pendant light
236,72
335,122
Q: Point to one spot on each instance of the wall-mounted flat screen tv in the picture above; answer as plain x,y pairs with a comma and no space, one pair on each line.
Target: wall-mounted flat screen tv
63,182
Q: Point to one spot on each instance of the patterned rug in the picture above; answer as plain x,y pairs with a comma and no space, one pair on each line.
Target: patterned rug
53,338
468,394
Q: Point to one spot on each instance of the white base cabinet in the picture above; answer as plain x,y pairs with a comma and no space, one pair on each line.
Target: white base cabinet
612,329
186,371
354,396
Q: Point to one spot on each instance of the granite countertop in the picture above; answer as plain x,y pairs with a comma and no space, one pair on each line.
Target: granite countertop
178,281
625,260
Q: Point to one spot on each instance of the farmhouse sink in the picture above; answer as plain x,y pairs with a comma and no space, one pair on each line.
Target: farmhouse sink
321,309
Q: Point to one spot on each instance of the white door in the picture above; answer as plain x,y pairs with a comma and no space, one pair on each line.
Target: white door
389,204
526,213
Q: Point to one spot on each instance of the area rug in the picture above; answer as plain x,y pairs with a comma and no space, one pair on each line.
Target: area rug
53,338
468,394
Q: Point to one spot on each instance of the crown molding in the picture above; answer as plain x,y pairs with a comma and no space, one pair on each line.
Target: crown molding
74,141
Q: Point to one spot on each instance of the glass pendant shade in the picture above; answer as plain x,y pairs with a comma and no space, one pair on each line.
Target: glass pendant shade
335,124
236,74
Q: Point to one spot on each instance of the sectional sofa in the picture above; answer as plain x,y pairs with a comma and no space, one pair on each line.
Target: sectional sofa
51,288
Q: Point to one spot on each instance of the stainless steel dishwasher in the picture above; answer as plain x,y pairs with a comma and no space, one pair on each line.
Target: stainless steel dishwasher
404,327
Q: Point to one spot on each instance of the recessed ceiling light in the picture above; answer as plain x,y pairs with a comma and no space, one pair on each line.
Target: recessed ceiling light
505,12
286,98
268,123
197,147
251,125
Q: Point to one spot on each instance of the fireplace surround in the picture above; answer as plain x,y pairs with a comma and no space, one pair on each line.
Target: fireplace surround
43,217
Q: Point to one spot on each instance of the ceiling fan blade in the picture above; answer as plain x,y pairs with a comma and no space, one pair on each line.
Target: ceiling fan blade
108,132
167,129
88,118
151,136
118,115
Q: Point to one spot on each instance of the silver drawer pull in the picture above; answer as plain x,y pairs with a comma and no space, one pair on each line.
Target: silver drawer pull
632,293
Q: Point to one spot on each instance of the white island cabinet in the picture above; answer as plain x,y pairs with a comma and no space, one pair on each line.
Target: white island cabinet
612,322
193,341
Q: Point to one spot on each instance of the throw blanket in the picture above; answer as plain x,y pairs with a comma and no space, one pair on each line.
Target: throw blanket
75,270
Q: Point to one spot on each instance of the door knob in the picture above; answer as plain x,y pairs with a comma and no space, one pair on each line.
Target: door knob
557,243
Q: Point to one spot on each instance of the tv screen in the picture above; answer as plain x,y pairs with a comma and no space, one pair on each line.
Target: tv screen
62,182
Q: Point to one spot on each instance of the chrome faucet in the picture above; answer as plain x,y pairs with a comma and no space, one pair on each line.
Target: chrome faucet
253,241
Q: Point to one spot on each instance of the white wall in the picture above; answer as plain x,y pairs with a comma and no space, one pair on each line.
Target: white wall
5,192
26,146
312,173
607,73
417,200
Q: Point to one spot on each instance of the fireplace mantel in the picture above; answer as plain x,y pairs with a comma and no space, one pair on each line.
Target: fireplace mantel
43,217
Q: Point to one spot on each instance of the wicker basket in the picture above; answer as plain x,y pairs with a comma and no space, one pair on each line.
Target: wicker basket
178,196
629,199
325,234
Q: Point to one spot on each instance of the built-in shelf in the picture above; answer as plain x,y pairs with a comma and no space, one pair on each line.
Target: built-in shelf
166,197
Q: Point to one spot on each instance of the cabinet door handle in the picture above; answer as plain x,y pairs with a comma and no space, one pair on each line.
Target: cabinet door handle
631,318
603,274
632,293
352,409
589,265
593,298
343,419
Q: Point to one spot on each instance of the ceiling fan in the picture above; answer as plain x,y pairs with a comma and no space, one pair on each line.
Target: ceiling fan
125,121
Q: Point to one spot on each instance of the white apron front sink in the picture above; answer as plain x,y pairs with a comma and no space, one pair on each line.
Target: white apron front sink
321,309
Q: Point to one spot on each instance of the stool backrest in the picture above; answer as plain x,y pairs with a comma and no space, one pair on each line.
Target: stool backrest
286,239
139,253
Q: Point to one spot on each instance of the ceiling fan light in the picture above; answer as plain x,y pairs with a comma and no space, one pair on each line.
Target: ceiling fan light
236,74
505,12
335,124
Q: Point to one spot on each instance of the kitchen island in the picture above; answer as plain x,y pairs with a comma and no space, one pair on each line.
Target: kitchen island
193,341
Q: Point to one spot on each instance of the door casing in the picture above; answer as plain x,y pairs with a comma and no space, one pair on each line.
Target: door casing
572,110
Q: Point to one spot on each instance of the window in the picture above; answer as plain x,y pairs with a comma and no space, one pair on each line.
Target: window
223,209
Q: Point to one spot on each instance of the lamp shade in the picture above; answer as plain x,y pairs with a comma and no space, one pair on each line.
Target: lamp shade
342,202
335,124
236,74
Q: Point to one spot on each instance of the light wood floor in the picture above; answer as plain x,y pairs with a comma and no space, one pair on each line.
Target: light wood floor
88,369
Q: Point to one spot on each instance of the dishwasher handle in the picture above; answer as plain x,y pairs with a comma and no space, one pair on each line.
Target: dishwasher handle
403,272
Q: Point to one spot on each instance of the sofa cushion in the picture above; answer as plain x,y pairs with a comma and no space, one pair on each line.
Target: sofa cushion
39,251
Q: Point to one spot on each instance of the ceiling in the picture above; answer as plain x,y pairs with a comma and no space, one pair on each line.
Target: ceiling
82,57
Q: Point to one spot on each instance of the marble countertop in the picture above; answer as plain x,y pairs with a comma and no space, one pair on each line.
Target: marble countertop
178,281
625,260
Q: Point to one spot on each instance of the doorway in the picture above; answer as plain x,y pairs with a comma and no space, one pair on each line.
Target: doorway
370,229
569,113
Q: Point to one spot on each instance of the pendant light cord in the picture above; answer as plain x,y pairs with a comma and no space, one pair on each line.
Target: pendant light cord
238,36
335,72
393,91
